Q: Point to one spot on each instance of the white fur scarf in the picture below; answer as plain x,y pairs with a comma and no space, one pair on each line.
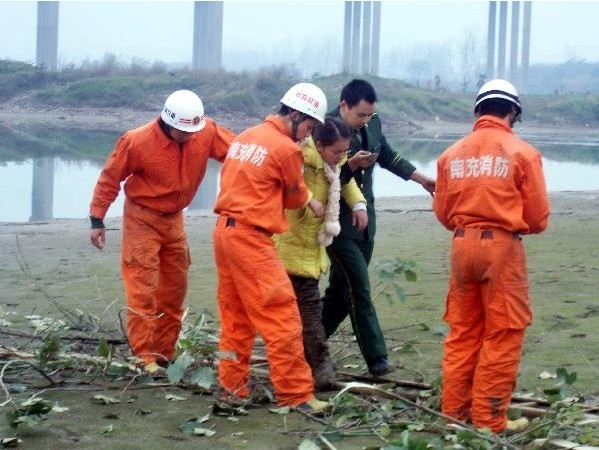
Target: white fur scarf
331,227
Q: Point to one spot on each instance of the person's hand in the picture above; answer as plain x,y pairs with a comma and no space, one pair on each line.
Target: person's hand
362,159
97,236
359,219
426,182
316,207
429,185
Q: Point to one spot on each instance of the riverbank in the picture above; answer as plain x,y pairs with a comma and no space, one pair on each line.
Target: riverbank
49,264
54,259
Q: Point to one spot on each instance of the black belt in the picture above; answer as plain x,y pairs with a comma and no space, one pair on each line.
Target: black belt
231,223
484,234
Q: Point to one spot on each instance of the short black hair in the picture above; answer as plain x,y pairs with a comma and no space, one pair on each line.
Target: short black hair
498,107
357,90
330,131
285,110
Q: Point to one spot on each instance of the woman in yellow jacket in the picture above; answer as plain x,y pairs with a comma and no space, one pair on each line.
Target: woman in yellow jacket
302,247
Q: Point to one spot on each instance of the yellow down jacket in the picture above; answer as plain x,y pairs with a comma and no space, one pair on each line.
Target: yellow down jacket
298,247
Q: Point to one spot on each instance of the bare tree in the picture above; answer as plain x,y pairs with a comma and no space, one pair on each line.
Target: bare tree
471,60
418,64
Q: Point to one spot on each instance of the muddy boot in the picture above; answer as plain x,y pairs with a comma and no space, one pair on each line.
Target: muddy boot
316,348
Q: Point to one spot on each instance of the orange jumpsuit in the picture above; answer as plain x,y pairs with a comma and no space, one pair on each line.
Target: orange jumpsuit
261,176
161,178
490,189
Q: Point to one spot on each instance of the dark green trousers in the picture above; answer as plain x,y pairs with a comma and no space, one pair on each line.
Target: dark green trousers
348,293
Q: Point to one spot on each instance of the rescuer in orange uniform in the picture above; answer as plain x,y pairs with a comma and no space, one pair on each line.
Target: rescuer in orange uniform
260,178
162,164
490,190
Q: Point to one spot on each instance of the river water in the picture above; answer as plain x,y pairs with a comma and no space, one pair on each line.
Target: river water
57,188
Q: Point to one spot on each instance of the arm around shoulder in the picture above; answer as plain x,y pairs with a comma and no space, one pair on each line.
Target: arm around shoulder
221,141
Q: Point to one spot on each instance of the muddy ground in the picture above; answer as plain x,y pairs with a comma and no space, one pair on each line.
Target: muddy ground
51,265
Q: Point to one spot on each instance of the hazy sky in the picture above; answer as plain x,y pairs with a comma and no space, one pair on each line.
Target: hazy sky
162,30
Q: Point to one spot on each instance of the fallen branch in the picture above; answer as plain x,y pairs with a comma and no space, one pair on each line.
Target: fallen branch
562,443
5,389
406,383
78,337
364,387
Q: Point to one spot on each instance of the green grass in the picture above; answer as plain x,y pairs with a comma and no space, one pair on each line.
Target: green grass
257,93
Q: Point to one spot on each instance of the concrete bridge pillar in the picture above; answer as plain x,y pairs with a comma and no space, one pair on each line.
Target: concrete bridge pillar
47,35
498,32
207,35
361,37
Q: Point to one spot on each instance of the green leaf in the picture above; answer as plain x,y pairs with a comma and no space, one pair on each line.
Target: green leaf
49,350
384,275
176,370
384,430
411,275
188,426
25,420
104,349
418,426
332,435
16,387
308,444
203,377
118,369
552,391
36,405
563,376
401,294
388,298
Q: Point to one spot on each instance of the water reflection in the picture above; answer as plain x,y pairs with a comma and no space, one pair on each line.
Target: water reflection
50,187
42,189
46,188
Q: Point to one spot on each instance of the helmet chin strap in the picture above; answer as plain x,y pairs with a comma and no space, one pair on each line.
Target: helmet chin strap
294,126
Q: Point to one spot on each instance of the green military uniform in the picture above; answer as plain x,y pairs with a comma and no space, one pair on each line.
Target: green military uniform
350,253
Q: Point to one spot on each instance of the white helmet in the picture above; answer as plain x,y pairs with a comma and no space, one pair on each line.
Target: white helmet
307,98
498,88
184,111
